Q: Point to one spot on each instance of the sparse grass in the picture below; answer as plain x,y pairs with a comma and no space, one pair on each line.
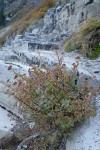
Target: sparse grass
3,38
89,26
31,17
86,39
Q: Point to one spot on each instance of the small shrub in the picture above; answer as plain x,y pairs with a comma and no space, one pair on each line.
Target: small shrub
52,99
95,53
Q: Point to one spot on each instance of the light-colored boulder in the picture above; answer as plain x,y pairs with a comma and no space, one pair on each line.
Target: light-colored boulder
87,136
5,137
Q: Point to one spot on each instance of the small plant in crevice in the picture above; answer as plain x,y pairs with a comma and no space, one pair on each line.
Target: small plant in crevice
53,101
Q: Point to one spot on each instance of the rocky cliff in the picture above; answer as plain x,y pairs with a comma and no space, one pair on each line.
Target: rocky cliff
45,37
16,9
61,21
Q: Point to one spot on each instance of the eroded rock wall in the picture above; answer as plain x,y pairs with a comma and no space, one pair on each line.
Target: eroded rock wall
60,21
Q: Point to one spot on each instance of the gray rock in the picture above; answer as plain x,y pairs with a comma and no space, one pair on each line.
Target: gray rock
41,46
5,137
87,2
87,136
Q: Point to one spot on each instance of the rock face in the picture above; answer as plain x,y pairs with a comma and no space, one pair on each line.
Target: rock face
39,44
59,22
11,9
6,4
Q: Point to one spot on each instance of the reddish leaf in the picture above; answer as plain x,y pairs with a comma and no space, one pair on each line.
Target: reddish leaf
15,76
10,67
